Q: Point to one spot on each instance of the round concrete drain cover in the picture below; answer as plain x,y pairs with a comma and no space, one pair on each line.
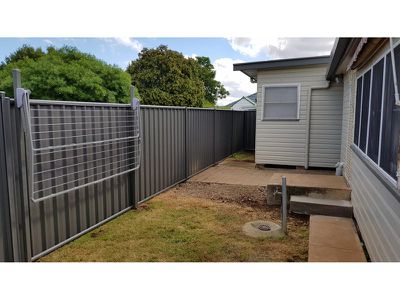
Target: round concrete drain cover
262,229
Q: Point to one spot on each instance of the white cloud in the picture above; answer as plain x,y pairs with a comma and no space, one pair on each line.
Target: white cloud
190,56
275,48
129,42
235,82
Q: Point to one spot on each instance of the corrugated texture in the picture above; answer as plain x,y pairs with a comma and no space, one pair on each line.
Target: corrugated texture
283,142
377,213
250,130
325,126
177,143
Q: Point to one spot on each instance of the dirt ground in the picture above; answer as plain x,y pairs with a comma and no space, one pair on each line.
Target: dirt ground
193,222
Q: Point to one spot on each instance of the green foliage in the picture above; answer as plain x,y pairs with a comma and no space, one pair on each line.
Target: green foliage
213,89
166,77
65,74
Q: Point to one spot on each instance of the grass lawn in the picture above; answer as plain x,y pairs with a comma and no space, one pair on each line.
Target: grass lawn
186,225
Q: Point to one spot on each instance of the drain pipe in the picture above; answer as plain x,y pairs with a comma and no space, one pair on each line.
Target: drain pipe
284,206
308,117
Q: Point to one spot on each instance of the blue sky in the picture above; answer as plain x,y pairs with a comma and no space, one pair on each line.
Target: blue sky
223,52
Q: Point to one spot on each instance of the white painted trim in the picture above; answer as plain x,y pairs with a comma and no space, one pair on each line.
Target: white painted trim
360,113
382,106
264,86
383,172
369,110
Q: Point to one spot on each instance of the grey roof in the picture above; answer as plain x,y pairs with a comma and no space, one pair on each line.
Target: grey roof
338,51
250,68
245,98
253,97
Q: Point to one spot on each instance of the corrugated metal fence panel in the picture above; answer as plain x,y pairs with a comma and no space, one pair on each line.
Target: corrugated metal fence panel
200,140
238,131
176,143
16,183
57,219
223,134
250,130
163,150
6,249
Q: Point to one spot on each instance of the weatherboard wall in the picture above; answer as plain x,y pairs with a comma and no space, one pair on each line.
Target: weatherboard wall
284,142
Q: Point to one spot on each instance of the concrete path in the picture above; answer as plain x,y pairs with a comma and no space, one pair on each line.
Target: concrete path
334,239
231,171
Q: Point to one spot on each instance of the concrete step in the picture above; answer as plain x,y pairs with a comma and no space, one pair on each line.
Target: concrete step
311,185
315,206
334,239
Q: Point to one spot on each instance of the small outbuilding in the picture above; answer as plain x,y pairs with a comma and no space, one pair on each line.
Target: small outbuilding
299,112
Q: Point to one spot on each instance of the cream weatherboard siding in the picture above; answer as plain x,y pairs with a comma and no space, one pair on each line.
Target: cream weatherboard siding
284,142
376,209
377,213
326,126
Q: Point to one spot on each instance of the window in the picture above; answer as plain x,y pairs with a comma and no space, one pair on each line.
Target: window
377,118
281,102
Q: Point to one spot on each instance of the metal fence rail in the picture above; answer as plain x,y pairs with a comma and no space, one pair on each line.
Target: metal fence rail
177,143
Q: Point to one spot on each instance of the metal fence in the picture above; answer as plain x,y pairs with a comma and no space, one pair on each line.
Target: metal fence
177,143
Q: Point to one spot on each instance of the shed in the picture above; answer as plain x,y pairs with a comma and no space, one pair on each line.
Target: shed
299,112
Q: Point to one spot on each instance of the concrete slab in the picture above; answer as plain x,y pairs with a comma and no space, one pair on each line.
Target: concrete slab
334,239
317,206
311,185
231,171
310,180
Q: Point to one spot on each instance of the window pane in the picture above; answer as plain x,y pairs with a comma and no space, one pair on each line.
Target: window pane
357,113
375,112
281,94
364,111
391,120
280,111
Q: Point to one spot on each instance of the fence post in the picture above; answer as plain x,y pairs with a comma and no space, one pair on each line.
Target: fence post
134,176
215,137
232,114
186,143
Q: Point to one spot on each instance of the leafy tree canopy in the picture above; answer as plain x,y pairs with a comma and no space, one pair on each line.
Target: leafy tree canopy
65,74
213,89
166,77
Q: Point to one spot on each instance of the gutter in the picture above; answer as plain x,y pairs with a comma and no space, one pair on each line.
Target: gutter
308,118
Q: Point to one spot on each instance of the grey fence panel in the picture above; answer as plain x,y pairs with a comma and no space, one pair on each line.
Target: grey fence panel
223,134
176,144
163,150
200,140
249,130
238,131
62,217
6,246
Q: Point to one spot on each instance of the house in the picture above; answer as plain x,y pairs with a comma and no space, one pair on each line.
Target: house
317,111
245,103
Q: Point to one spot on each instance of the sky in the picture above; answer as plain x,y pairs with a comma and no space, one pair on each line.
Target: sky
223,52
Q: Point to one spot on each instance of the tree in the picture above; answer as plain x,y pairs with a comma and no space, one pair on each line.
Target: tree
166,77
65,74
213,89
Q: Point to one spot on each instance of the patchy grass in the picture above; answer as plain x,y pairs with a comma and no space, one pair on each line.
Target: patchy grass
243,156
178,227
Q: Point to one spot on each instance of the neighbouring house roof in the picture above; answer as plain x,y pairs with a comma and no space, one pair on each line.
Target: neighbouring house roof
251,68
253,97
247,98
352,53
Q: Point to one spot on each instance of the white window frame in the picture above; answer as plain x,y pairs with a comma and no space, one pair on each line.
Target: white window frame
264,86
361,74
